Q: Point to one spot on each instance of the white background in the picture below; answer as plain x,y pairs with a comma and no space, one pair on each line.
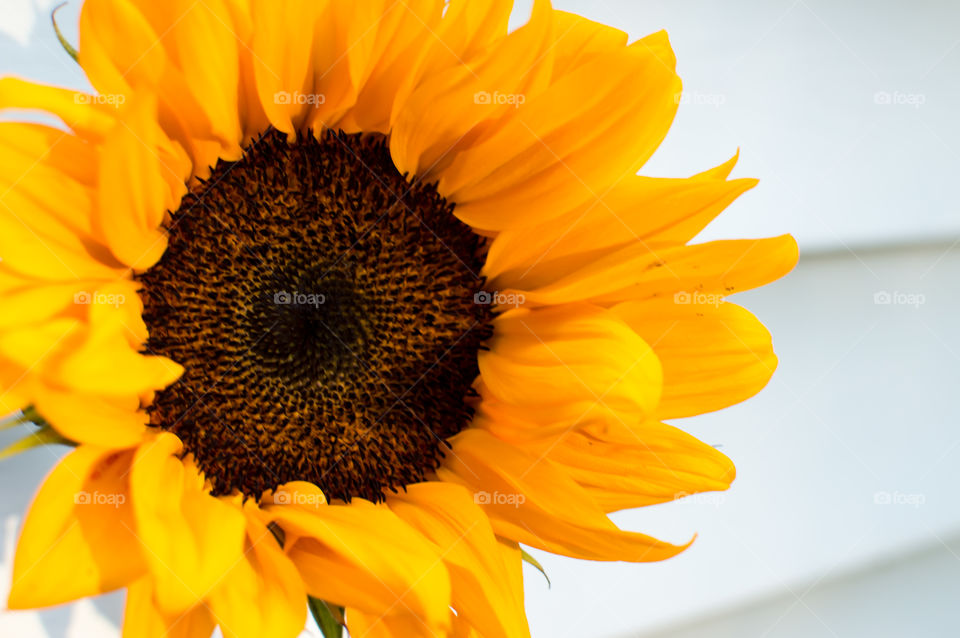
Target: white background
863,407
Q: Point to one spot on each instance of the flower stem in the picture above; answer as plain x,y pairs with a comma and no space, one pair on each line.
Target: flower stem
329,617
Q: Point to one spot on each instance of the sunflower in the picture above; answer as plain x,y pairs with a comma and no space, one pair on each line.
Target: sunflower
345,301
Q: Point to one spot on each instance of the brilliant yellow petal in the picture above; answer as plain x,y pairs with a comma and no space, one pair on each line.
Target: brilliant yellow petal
35,346
46,204
39,162
118,48
106,358
191,538
282,44
579,41
569,363
28,301
376,625
447,110
545,159
158,52
252,118
262,594
403,31
132,190
713,354
382,564
79,536
75,109
201,43
638,465
646,211
531,500
142,618
92,419
639,272
449,517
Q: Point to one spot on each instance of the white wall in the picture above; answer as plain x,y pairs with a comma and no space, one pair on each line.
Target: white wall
912,595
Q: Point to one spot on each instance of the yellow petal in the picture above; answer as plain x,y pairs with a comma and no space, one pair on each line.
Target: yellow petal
105,359
637,466
75,109
482,592
639,210
569,363
201,43
382,564
282,45
41,163
579,40
191,538
545,159
142,618
532,501
81,518
447,109
118,48
262,594
28,301
157,53
35,346
375,625
713,354
92,419
46,204
639,272
132,190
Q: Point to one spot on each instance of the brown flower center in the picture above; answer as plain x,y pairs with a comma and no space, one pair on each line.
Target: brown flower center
324,311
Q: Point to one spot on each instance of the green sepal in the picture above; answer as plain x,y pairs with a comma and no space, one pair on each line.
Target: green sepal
46,435
69,48
527,558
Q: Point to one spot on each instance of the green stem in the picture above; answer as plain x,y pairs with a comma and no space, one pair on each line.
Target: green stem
329,617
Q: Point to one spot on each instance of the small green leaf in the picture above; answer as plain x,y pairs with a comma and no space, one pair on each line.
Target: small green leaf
533,561
329,617
69,48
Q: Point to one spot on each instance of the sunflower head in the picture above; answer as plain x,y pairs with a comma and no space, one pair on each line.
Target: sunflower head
347,301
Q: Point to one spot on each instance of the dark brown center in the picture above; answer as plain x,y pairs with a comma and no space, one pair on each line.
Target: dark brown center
324,311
